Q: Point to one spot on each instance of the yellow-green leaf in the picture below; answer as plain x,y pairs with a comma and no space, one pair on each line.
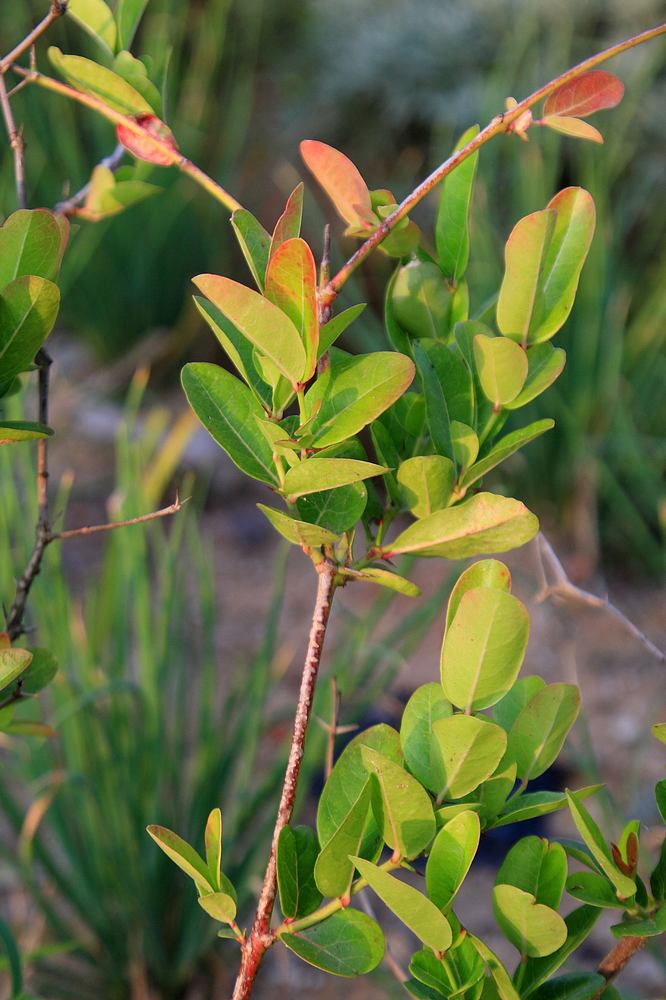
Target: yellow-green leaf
91,78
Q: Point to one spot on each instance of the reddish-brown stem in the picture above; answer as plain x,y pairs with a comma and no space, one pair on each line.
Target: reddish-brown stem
616,959
261,938
501,123
57,9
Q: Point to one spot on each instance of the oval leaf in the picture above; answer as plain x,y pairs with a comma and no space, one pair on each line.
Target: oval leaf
291,285
297,851
315,474
348,943
484,573
426,483
539,732
588,93
534,929
470,750
426,705
91,78
401,806
334,870
451,856
502,368
341,181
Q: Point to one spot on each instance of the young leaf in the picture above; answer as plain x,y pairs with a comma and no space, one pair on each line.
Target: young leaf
337,325
108,197
485,523
390,580
213,845
96,18
539,732
453,977
28,309
484,573
544,365
590,92
426,705
180,852
219,906
264,325
288,226
401,806
410,906
347,780
534,929
579,923
537,867
348,943
501,977
359,390
297,851
41,671
91,78
421,300
651,926
13,662
334,869
470,749
426,483
155,143
254,241
134,71
483,648
341,181
32,242
452,227
301,533
450,858
574,127
531,805
594,839
229,411
524,267
494,792
505,447
465,444
238,348
315,474
291,285
502,368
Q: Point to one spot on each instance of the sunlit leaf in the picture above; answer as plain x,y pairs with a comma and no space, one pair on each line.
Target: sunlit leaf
505,447
13,431
574,127
535,866
298,532
291,285
502,368
13,663
534,929
182,854
91,78
213,844
154,143
419,745
531,805
501,977
450,858
28,309
401,806
254,242
32,242
426,483
288,226
334,868
588,93
218,905
470,750
314,474
544,365
539,732
386,578
484,573
96,18
341,181
594,839
579,923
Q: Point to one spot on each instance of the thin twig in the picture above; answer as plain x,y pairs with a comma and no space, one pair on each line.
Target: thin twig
563,587
16,142
58,8
69,205
93,529
260,938
501,123
616,959
332,729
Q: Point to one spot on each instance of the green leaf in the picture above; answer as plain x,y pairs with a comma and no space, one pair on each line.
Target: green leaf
91,78
539,732
388,579
531,805
359,389
426,483
348,943
410,906
254,242
456,379
536,970
544,255
485,523
465,444
534,929
13,663
426,705
108,197
545,364
450,858
337,510
228,411
134,71
291,285
32,242
470,749
213,845
288,226
506,446
219,906
421,300
28,309
128,15
537,867
342,183
452,227
461,970
502,368
501,977
509,708
347,780
334,870
22,430
437,412
484,573
573,986
96,18
297,851
401,806
301,533
483,648
649,927
660,796
8,942
494,792
594,839
658,876
41,671
316,474
182,854
238,348
573,127
336,326
264,325
594,889
659,731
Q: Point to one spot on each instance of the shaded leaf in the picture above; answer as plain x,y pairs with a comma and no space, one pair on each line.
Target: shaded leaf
348,943
438,417
452,226
539,732
544,365
297,851
531,805
298,532
12,431
421,300
128,15
537,867
238,348
401,806
450,858
594,839
336,326
649,927
506,711
254,242
579,923
338,510
501,977
470,749
334,869
28,309
502,368
32,242
572,986
426,705
392,581
182,854
594,889
505,447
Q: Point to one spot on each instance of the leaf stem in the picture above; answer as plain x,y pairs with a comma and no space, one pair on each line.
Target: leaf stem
499,124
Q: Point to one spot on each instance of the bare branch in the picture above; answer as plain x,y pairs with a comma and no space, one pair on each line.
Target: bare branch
112,525
57,9
16,142
70,205
564,588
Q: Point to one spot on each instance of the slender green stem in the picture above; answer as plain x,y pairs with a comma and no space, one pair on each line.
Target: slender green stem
503,122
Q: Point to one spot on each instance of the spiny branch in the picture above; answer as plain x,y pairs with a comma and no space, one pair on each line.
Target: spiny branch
564,588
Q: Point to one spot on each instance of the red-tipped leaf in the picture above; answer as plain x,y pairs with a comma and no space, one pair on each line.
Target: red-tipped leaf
341,181
291,285
157,144
588,93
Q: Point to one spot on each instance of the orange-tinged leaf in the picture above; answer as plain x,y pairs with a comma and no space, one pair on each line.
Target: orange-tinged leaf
588,93
288,226
341,181
157,144
291,285
574,127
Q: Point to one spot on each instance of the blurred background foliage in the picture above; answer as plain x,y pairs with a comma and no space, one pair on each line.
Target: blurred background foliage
393,83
